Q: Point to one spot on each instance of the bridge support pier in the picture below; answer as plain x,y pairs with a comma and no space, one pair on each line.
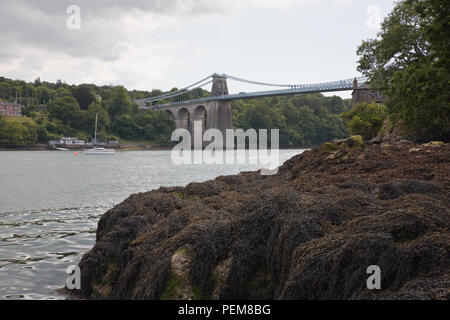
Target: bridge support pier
182,124
222,117
217,112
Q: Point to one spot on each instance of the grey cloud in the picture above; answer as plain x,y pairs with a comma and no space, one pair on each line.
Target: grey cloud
42,23
106,7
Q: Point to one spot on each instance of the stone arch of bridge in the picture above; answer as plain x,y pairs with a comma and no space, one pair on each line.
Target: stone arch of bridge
183,119
201,114
170,114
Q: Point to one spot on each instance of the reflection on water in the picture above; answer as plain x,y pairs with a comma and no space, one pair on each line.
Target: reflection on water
50,204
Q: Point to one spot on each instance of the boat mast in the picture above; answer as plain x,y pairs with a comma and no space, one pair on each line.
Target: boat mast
95,136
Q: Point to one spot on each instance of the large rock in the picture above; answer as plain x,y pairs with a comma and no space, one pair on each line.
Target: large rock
309,232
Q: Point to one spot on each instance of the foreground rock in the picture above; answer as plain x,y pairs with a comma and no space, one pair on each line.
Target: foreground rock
310,232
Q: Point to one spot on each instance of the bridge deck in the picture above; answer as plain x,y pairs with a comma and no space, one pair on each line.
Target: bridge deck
344,86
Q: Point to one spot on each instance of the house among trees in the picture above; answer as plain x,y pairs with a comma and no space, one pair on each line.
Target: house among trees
363,94
68,141
10,109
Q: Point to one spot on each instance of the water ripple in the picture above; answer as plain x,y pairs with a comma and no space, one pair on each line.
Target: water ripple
46,227
40,245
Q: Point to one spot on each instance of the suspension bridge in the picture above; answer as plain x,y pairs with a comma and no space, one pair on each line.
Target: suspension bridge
189,104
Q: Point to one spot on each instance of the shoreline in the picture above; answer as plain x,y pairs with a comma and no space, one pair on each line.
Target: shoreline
123,147
44,147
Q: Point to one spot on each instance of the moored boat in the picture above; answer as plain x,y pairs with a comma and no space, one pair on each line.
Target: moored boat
98,150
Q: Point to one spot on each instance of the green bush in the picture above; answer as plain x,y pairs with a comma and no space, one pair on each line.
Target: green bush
15,133
365,119
42,134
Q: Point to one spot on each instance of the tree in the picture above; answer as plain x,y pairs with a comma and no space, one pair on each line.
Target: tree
163,126
119,103
60,84
43,94
67,110
42,134
127,128
410,61
84,95
103,118
365,119
335,104
63,92
17,134
300,125
37,82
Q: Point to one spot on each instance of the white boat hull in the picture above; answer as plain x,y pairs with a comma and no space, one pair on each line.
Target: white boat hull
99,152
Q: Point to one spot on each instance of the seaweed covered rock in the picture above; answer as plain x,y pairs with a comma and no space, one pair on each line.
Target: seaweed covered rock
309,232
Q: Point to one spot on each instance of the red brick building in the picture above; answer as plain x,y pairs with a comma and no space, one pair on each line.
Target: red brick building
10,109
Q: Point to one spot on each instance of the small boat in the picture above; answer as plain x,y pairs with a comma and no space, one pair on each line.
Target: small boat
62,149
98,150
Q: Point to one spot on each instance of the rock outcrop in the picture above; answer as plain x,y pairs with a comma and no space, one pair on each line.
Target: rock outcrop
309,232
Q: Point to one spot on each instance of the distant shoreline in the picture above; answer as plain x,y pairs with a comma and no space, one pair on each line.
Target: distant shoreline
124,147
44,147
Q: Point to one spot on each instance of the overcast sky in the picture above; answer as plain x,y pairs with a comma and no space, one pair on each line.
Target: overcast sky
148,44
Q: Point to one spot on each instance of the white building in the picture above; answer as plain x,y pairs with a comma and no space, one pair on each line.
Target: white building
70,141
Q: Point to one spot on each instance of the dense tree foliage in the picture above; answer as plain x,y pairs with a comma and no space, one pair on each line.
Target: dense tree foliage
365,119
303,120
71,111
149,125
119,103
20,132
84,95
410,60
104,120
67,110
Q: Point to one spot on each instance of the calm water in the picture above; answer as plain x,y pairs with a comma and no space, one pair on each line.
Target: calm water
50,203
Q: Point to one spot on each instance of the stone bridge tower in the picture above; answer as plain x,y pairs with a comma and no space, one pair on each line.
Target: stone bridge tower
222,117
219,87
214,114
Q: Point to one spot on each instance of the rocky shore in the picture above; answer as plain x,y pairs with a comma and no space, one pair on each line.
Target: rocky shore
309,232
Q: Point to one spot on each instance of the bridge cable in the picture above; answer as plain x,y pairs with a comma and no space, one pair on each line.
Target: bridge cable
179,93
165,95
362,79
174,94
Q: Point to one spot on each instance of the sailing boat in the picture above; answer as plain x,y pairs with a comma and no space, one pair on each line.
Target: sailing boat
98,150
